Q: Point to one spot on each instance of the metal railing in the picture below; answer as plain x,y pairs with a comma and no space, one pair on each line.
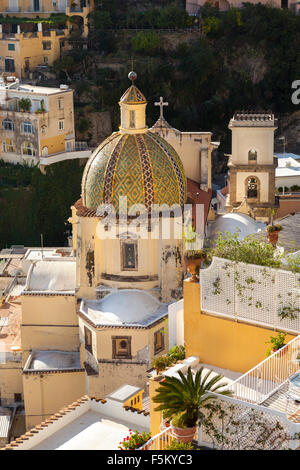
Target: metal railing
256,385
160,441
80,146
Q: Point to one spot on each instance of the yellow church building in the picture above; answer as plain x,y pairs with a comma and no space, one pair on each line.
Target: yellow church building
94,319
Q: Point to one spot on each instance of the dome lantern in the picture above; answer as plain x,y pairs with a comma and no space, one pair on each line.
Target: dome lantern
133,109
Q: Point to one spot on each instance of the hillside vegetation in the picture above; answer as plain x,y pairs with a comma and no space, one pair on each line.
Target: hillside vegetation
206,68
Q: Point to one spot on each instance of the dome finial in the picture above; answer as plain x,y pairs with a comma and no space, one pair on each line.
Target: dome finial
132,76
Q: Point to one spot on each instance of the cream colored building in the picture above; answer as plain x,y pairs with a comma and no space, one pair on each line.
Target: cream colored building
252,163
194,149
43,133
95,319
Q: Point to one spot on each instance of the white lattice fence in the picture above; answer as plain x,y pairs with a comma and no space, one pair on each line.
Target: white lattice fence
251,292
234,425
217,287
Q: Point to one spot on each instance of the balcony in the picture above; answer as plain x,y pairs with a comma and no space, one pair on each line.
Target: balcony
249,419
274,382
81,151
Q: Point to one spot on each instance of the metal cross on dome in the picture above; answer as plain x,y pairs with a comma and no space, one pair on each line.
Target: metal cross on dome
161,104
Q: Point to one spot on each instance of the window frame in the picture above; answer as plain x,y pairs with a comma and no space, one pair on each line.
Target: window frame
10,122
30,147
88,335
61,121
158,349
121,355
257,183
8,147
131,119
123,244
27,124
46,44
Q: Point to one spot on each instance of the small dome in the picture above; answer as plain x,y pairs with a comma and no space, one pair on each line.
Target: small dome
233,222
125,307
143,167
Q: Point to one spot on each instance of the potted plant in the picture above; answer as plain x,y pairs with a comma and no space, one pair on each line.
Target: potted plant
41,110
24,104
161,363
193,260
273,233
166,422
298,357
277,343
184,399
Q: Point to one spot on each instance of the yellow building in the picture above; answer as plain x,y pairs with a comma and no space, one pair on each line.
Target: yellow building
41,131
95,320
28,47
23,52
46,8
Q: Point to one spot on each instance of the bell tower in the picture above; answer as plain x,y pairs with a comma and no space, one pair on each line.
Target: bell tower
252,163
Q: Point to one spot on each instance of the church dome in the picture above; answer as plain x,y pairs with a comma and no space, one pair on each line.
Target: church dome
134,162
143,167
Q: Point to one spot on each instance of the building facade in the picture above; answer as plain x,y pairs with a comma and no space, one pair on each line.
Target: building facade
37,123
29,47
252,163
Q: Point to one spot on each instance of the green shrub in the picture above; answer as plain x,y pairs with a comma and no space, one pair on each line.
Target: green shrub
161,363
146,43
249,250
25,104
175,445
277,342
179,421
83,125
274,228
176,353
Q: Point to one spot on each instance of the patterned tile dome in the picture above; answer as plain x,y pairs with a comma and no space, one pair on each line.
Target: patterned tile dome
143,167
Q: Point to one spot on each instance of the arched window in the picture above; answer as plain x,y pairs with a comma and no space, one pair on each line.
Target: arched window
252,155
27,127
252,187
7,125
27,149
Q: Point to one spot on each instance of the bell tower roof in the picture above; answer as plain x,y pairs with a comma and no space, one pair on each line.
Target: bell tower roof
133,95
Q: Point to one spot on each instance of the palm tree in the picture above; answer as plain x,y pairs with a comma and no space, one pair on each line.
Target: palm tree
186,397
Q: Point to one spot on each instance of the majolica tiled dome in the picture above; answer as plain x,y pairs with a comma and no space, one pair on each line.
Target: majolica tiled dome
143,167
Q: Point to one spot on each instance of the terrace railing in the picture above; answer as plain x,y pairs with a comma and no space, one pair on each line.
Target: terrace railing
238,426
159,442
256,385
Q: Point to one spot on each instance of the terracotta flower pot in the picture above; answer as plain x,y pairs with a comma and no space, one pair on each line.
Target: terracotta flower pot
192,264
184,434
273,237
282,350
